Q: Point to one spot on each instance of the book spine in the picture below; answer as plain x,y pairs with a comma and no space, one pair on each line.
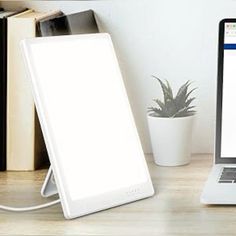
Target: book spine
3,89
20,104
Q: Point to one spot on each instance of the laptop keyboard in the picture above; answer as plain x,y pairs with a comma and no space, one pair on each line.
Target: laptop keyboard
228,175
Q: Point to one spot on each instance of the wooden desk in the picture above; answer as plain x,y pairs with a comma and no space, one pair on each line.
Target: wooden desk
174,210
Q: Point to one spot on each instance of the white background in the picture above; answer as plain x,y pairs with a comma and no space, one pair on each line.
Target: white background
175,40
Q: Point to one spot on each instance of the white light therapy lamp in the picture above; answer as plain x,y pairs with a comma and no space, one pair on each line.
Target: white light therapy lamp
87,123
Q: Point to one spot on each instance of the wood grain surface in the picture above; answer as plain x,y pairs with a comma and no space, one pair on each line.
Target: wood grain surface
174,210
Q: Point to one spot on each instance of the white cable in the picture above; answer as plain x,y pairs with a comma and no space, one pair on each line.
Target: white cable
33,208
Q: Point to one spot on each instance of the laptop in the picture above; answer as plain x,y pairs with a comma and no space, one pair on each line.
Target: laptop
220,187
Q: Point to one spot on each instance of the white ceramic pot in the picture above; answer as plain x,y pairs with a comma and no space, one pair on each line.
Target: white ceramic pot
171,139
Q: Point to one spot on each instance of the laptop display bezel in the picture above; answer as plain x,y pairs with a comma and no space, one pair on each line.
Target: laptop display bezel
218,158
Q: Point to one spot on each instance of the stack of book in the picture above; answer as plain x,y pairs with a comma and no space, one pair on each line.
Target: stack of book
22,145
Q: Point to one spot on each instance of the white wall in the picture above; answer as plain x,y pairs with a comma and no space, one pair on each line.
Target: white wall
175,40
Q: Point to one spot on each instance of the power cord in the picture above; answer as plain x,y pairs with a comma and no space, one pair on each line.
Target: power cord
33,208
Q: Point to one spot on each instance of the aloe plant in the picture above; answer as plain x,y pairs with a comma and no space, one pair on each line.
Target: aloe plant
173,106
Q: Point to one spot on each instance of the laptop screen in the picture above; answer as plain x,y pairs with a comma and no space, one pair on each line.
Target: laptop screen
228,124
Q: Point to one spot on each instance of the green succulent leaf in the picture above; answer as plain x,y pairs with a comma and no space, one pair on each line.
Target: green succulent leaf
169,89
191,113
170,107
181,95
183,87
190,92
159,103
189,101
153,111
178,106
180,112
191,107
167,92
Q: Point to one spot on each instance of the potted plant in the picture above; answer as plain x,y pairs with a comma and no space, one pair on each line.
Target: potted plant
170,125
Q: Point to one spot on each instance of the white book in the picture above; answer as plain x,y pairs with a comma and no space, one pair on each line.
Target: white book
25,145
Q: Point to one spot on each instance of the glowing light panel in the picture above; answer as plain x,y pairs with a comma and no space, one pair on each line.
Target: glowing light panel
85,114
